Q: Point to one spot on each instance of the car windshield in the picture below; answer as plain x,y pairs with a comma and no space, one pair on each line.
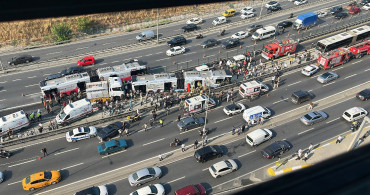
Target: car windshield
95,190
153,189
325,75
255,34
213,169
151,171
28,179
47,175
228,163
70,133
172,49
62,114
308,117
82,60
135,176
103,146
213,149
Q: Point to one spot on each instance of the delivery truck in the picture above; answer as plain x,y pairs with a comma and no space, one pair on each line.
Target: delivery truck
305,21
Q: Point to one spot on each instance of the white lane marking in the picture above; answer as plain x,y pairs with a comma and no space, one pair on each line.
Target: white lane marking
54,53
106,43
2,82
149,54
9,184
356,62
328,84
115,61
305,131
66,151
46,75
184,62
31,77
205,169
189,53
350,76
21,163
82,48
367,70
176,179
160,59
294,83
187,131
113,154
222,120
4,90
332,120
32,85
37,143
32,94
280,101
159,52
17,79
153,142
72,166
246,153
2,100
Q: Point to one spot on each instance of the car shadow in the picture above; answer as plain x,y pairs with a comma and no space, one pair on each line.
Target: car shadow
56,151
207,186
231,150
17,151
8,174
130,143
164,170
36,58
167,187
112,189
97,61
237,161
157,69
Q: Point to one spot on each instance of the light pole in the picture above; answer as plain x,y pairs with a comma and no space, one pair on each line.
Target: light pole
207,102
157,25
261,10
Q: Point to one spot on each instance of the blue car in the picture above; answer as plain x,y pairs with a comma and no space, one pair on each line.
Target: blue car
112,146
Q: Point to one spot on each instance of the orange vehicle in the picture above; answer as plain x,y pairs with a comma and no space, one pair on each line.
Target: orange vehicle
361,49
334,58
41,179
279,48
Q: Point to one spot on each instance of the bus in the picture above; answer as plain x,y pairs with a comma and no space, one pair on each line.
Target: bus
343,39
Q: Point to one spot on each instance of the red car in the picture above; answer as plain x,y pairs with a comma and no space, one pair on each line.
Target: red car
354,10
89,60
197,189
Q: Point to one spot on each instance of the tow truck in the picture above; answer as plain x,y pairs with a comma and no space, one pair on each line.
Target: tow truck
279,48
361,49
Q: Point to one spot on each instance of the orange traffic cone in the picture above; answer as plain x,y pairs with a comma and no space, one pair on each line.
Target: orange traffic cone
39,158
267,95
23,94
255,42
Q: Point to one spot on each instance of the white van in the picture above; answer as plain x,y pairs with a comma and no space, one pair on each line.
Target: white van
15,121
354,114
252,88
256,112
264,33
219,20
74,111
258,136
146,35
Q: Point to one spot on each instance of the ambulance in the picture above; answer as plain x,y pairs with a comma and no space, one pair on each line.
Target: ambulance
252,88
14,122
74,111
198,104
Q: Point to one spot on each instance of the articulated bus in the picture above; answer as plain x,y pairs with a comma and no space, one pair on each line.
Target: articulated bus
343,39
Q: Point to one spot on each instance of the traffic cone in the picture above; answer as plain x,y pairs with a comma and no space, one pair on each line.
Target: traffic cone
39,158
255,42
174,62
267,95
23,94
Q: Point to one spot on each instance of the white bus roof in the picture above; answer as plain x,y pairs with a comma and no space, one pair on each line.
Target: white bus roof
140,80
336,38
12,116
73,78
361,30
265,29
129,67
196,99
220,73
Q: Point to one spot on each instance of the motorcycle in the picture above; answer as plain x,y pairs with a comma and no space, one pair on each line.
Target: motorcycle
291,15
201,132
133,119
200,36
175,143
222,33
5,154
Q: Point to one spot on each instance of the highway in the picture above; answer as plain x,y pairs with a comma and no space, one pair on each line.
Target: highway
83,160
79,161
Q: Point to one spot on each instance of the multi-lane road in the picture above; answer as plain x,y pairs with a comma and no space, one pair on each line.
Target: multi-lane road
79,161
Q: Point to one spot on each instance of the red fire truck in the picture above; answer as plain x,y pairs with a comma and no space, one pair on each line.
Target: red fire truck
334,58
279,48
361,49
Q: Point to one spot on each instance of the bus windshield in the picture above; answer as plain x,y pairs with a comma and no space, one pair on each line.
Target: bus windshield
321,47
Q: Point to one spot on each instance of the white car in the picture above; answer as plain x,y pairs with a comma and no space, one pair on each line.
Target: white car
271,3
175,51
204,67
240,35
219,20
247,15
222,168
194,21
300,2
152,189
310,70
366,6
354,114
321,14
81,133
234,109
247,9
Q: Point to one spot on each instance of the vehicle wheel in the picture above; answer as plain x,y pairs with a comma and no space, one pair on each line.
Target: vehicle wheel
7,157
218,156
234,170
74,140
27,61
139,184
205,46
186,129
156,178
54,182
32,189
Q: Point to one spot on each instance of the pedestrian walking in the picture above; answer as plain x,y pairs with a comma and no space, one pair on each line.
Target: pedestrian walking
183,147
120,131
273,80
339,139
179,117
151,122
305,156
310,107
310,148
38,115
195,144
262,120
205,139
127,133
299,154
161,122
160,157
145,127
44,152
243,127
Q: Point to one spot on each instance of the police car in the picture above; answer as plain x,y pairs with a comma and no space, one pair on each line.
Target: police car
80,133
310,70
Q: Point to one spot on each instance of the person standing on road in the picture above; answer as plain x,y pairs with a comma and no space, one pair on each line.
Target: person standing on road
305,156
160,157
179,117
161,122
195,144
310,107
339,139
299,154
44,151
126,132
145,127
183,147
261,121
310,148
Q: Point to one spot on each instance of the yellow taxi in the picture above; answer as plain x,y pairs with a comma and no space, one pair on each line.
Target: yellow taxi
41,179
229,12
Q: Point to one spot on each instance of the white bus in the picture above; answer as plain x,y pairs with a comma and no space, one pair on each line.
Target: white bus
343,39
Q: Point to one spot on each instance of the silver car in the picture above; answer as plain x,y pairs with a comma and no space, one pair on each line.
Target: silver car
327,77
314,117
144,176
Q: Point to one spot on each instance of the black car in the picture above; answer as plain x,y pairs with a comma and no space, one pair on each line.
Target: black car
53,76
231,43
72,70
20,60
177,41
189,27
273,8
340,15
363,95
253,27
207,153
363,2
284,24
190,122
335,10
109,131
300,96
209,43
276,149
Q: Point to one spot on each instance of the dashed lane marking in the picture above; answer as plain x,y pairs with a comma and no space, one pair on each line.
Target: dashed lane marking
17,79
21,163
2,82
31,85
4,90
328,84
222,120
115,61
176,179
32,77
246,154
113,154
2,100
72,166
153,142
82,48
305,131
280,101
66,151
332,120
350,76
9,184
294,83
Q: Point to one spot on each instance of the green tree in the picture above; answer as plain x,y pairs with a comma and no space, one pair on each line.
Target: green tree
61,32
84,25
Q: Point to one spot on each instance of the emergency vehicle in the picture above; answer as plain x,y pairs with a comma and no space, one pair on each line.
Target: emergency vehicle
105,90
124,71
361,49
252,88
154,83
14,122
279,48
198,104
334,58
